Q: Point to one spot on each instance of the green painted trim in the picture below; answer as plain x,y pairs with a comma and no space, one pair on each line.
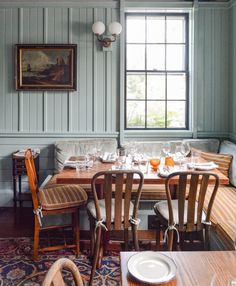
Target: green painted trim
213,135
213,5
59,135
157,4
232,3
59,3
232,136
158,134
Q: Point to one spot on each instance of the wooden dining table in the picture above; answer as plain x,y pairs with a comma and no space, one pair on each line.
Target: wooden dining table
72,176
195,268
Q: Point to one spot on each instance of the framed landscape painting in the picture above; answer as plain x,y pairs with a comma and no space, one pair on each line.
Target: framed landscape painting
46,67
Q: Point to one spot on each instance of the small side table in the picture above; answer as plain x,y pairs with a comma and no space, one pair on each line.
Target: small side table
19,170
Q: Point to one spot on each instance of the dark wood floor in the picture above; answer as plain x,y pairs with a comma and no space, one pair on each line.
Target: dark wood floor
19,223
16,224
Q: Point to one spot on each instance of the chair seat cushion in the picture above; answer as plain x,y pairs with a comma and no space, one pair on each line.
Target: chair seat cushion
162,209
62,196
91,208
52,183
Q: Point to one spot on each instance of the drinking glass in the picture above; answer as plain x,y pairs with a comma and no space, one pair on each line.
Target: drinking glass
154,162
179,155
143,164
166,148
185,149
81,163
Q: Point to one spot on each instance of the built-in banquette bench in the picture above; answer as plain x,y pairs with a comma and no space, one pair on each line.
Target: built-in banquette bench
224,210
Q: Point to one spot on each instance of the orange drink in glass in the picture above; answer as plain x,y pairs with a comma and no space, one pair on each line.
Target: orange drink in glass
155,163
169,162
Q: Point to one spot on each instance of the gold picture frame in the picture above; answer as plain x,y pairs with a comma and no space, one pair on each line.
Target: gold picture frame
46,67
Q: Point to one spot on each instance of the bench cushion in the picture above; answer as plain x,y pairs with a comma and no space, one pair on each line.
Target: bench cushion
223,215
65,149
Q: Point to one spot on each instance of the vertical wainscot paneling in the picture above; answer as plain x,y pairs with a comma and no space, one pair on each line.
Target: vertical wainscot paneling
232,76
89,110
212,70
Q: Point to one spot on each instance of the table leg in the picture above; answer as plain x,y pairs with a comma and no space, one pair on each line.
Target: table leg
14,192
19,179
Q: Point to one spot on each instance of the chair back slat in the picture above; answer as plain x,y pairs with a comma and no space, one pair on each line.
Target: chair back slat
118,201
127,198
32,178
192,202
119,182
181,202
201,199
108,198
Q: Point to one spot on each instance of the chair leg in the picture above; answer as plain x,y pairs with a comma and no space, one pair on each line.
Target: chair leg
126,239
135,237
158,235
96,254
170,239
207,238
75,218
36,238
92,240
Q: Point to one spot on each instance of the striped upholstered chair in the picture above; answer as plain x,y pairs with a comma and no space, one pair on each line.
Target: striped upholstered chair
64,199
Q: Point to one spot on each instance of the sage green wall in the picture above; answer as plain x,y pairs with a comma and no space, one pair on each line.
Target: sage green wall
211,71
38,119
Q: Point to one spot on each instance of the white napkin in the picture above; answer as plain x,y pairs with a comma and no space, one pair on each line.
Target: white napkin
108,157
202,166
71,164
164,171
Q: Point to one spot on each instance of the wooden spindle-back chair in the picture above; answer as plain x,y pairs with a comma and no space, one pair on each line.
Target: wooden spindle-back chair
54,275
53,201
115,212
186,214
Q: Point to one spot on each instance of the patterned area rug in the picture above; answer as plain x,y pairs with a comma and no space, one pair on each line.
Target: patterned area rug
17,267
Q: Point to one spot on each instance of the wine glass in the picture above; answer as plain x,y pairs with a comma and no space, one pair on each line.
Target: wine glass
179,155
185,148
166,148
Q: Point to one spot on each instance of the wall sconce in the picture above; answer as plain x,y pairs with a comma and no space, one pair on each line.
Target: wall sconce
114,28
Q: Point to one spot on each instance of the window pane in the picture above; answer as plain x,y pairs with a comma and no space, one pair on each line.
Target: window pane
175,57
155,29
176,114
135,24
155,57
175,29
176,86
135,114
135,86
155,86
135,57
156,114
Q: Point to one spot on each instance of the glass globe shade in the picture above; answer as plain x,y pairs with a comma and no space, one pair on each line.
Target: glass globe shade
98,28
115,28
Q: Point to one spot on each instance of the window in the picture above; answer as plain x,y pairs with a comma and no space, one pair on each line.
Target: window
156,71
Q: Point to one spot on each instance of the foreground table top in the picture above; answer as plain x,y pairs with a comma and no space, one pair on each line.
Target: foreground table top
71,176
195,268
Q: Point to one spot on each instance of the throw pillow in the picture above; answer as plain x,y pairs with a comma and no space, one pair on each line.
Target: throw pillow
227,147
222,160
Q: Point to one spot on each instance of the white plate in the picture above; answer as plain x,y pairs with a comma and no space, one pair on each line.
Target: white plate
152,267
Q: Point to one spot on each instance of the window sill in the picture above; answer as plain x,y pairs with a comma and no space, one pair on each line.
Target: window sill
157,134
